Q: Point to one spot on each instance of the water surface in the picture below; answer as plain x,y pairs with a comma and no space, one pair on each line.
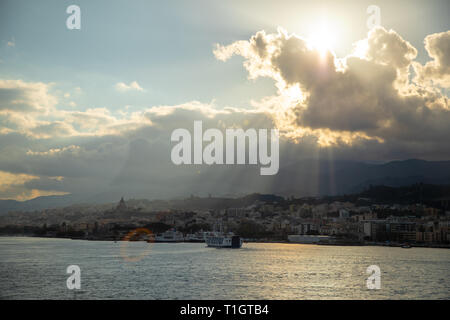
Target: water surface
35,268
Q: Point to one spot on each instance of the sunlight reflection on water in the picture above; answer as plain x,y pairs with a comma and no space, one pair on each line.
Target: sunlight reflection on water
34,268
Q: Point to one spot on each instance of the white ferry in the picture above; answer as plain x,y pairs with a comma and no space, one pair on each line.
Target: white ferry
170,235
223,240
195,237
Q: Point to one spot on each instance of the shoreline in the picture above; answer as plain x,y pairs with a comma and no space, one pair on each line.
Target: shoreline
367,244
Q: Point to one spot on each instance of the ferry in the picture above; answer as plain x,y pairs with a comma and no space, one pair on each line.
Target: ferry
195,237
223,240
170,235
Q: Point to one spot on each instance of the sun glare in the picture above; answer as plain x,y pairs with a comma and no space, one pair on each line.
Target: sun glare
323,38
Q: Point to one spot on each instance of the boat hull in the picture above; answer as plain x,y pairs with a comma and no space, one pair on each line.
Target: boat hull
169,236
234,242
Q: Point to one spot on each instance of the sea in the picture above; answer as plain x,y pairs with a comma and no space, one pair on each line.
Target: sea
39,268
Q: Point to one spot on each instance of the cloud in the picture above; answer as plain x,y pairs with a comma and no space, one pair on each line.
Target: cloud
133,158
135,161
12,186
53,152
11,43
51,129
436,71
23,104
9,179
29,108
21,96
123,87
365,96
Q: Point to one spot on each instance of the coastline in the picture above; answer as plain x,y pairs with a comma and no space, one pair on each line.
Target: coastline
365,244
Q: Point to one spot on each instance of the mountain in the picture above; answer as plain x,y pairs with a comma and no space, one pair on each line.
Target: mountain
39,203
416,193
302,178
341,177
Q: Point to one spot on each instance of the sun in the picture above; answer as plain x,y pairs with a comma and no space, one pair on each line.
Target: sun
323,38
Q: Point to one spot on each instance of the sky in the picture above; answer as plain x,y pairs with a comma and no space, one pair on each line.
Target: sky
92,110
